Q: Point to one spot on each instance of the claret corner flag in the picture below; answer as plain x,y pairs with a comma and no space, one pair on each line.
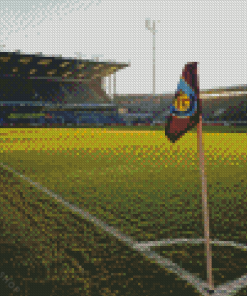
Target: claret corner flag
185,110
185,114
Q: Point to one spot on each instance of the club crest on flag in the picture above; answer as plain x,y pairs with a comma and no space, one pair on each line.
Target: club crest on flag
184,111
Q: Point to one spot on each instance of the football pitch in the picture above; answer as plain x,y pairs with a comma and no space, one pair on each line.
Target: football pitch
135,180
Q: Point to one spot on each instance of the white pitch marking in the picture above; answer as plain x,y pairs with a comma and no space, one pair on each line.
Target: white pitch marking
229,289
167,242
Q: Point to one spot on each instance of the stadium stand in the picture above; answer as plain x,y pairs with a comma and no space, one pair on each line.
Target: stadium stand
36,89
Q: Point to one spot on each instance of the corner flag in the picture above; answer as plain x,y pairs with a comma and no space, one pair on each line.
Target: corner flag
185,110
185,114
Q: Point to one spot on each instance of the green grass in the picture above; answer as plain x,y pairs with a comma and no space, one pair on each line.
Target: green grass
145,192
141,184
228,262
47,250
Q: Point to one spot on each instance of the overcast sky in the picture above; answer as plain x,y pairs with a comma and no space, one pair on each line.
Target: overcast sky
212,32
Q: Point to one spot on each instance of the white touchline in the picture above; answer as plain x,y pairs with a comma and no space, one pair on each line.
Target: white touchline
229,289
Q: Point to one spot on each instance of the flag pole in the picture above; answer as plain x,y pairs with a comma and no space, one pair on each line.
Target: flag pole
208,246
179,123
